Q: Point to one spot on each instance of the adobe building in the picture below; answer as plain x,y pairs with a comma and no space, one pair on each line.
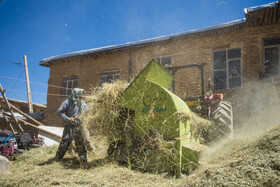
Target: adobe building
231,54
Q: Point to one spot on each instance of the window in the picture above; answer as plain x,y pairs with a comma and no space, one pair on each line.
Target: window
108,77
271,53
164,61
227,68
68,83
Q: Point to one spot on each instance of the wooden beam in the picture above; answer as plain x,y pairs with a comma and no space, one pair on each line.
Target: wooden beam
9,107
25,115
55,136
7,120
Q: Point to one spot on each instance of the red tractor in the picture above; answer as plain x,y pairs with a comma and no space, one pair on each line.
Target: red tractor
209,105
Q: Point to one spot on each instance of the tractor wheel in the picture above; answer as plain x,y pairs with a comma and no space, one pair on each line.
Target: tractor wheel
222,115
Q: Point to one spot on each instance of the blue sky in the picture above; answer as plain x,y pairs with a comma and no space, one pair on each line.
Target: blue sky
44,28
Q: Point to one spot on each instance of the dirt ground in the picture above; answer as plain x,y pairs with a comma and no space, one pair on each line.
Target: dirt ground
242,161
251,158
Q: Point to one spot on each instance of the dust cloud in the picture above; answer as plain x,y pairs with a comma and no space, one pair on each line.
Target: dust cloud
257,112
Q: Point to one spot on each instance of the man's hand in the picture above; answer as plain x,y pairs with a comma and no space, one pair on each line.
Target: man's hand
72,120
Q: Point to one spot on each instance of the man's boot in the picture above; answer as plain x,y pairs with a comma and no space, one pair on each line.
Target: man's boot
57,158
83,158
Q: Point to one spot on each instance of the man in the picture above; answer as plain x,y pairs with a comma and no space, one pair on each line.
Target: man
69,111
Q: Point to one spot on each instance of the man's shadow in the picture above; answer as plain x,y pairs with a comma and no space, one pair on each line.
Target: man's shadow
75,163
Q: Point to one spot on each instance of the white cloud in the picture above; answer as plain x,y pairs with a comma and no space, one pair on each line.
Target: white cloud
221,3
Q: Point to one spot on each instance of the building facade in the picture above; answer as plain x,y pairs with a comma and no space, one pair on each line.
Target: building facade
233,54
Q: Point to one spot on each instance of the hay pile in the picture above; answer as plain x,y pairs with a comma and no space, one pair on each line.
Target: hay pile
252,158
102,109
115,124
101,115
247,161
150,151
239,162
204,129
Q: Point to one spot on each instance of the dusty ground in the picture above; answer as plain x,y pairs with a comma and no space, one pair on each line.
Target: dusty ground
251,158
243,161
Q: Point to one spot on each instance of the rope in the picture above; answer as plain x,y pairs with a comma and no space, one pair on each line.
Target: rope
35,82
12,62
40,93
12,87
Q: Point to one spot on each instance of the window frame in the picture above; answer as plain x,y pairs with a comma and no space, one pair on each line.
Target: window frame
271,46
105,74
159,59
227,67
68,79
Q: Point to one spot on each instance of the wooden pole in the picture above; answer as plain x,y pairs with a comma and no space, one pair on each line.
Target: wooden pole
9,107
30,107
55,136
6,119
25,115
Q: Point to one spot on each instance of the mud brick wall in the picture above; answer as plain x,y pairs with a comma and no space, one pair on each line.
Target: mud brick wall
184,50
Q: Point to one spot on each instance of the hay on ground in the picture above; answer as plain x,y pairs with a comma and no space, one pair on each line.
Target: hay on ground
114,123
239,162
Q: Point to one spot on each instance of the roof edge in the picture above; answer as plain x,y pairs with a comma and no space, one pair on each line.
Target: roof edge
45,61
252,9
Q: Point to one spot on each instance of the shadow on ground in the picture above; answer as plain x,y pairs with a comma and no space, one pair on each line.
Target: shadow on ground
74,163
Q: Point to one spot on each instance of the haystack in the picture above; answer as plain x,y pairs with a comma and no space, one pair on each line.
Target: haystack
149,151
102,109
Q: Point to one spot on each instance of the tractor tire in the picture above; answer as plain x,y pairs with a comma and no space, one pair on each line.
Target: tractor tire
222,115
